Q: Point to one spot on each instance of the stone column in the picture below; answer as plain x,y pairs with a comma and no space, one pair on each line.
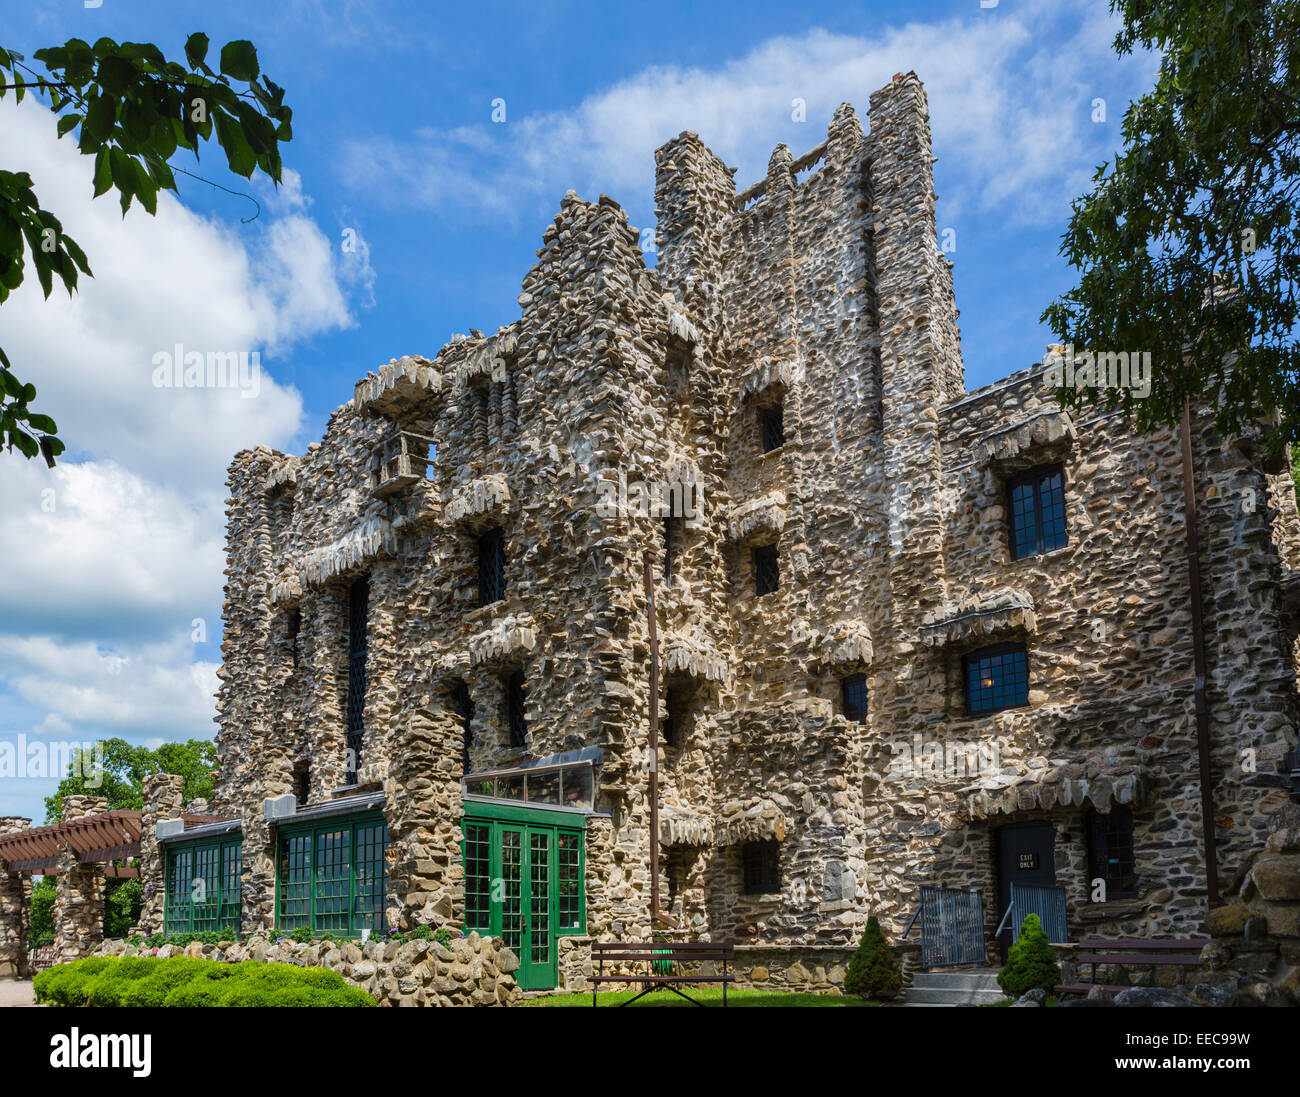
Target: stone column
79,902
425,876
15,903
162,800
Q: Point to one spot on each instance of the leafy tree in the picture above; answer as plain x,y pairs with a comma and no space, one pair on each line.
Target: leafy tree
1188,245
873,970
1031,961
40,929
132,109
124,768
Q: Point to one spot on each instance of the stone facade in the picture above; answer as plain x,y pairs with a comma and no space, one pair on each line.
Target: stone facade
79,899
467,971
162,800
818,293
15,907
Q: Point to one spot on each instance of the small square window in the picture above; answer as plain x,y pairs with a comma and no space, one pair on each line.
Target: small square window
771,426
762,867
996,678
1036,504
767,570
491,567
1110,853
855,698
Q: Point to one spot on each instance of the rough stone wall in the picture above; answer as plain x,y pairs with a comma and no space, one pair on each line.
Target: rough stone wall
79,899
467,971
162,800
15,904
821,289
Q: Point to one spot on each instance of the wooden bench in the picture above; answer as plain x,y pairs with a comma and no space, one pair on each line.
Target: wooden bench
662,960
1132,952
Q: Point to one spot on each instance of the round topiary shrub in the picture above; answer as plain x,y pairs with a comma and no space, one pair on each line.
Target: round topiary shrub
1031,962
873,971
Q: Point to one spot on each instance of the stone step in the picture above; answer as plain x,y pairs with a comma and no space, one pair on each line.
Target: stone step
972,980
953,996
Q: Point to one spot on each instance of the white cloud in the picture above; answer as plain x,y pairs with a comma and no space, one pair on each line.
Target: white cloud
1009,96
110,556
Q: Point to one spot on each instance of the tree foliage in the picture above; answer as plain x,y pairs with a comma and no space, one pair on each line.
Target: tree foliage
118,774
1031,961
873,970
131,110
1188,244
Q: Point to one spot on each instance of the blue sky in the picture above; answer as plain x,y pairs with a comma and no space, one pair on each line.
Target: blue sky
113,558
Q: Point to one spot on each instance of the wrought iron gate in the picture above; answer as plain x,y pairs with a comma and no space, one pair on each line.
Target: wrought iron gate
952,927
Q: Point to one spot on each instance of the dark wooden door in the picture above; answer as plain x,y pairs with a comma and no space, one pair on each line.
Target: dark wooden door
1026,855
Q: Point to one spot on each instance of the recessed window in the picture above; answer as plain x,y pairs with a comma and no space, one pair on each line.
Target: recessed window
854,696
674,531
293,627
771,426
1037,507
302,784
767,570
1110,853
996,678
762,867
516,720
464,706
670,727
491,567
358,646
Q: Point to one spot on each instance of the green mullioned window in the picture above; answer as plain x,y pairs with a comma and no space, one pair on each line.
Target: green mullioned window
201,893
331,875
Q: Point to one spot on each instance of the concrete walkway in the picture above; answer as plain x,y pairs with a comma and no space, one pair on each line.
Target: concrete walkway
16,992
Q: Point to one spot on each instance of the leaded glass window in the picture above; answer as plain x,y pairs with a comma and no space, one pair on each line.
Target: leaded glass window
1037,508
491,567
1110,853
478,877
996,678
569,879
854,689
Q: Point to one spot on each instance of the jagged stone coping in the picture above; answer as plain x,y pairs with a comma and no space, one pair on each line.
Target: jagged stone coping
770,377
1047,428
848,644
761,516
1103,785
396,383
483,360
504,639
679,826
486,498
694,655
751,821
353,549
980,616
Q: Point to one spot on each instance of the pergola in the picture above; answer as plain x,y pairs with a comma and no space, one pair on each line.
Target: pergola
108,836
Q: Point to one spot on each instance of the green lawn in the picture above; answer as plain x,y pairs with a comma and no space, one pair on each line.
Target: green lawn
708,995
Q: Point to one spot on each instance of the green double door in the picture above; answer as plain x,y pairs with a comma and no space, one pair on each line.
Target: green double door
523,883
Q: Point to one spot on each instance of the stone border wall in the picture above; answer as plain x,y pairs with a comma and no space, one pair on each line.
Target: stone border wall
467,971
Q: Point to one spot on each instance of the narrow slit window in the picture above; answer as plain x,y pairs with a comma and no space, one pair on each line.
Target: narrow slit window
358,645
767,570
491,567
464,704
294,628
516,717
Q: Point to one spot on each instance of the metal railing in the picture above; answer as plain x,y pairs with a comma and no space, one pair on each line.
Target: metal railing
1047,902
952,926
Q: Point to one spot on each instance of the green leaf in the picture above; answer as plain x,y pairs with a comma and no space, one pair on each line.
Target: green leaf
68,123
239,60
196,49
103,170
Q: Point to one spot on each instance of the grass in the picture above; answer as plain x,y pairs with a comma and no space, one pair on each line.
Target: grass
746,997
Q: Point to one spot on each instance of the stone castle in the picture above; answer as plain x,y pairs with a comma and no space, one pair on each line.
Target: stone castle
907,634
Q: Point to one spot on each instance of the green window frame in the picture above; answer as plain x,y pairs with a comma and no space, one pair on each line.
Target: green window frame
202,885
331,875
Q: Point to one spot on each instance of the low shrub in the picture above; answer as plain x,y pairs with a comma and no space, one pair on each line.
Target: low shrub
185,981
1031,962
873,971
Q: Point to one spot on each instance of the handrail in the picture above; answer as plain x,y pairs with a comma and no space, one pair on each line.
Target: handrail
911,924
1002,924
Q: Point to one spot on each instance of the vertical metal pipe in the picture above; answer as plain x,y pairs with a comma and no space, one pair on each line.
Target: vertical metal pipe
656,915
1198,650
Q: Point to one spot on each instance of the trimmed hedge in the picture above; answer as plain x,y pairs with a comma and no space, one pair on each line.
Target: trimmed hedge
107,981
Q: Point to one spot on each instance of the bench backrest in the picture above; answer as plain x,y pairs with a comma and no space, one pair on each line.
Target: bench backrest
1141,950
660,950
